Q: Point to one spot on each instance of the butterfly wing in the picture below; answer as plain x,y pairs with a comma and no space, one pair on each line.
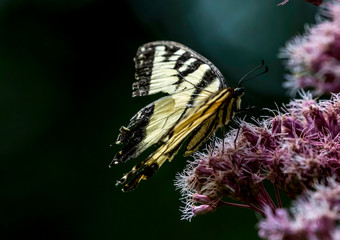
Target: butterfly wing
172,68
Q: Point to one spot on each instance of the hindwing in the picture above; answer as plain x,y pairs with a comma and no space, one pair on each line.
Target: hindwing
198,126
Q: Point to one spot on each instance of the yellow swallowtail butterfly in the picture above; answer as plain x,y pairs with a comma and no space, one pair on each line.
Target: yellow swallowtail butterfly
198,103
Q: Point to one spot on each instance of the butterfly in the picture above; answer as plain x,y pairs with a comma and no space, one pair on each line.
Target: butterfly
198,102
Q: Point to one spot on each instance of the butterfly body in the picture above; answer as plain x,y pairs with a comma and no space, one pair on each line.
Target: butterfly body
199,102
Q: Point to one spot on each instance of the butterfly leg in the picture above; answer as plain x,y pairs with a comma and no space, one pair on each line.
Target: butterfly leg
249,108
223,138
237,133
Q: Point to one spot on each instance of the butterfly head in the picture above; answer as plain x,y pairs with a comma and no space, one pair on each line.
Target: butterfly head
238,92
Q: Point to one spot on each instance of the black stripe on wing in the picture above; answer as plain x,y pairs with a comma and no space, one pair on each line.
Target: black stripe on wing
152,58
201,134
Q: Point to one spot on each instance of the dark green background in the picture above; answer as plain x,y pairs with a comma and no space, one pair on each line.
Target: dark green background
66,71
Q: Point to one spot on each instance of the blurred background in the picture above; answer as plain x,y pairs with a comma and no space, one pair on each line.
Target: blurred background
66,71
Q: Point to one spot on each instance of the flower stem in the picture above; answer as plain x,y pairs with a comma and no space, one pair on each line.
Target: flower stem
267,198
223,203
257,209
250,206
278,196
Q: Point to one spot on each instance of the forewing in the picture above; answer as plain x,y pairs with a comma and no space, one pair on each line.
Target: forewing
170,67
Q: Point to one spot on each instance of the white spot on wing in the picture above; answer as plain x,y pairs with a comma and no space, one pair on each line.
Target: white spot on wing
186,64
198,74
159,50
176,55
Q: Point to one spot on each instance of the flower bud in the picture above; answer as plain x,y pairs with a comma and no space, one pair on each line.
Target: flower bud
202,209
202,199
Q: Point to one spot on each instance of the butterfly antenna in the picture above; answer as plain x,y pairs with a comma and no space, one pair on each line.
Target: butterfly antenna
245,77
257,75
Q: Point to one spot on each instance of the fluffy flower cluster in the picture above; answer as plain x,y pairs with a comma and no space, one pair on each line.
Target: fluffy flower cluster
315,2
292,150
312,216
314,58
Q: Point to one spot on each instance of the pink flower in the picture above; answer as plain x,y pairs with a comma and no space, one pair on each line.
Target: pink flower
300,145
292,150
313,59
313,215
